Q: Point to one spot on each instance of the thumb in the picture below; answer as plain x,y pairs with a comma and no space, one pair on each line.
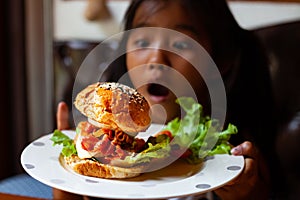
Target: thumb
62,116
246,149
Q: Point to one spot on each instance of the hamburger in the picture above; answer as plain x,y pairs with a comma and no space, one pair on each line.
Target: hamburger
106,144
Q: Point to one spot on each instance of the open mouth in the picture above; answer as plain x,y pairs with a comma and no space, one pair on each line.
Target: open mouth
158,92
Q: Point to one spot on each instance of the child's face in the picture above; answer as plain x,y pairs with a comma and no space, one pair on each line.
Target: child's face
154,72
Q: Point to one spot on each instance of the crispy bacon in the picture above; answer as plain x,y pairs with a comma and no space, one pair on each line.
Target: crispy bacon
102,145
121,153
89,128
109,145
88,142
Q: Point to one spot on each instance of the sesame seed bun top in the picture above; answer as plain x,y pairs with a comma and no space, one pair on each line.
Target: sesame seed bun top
116,106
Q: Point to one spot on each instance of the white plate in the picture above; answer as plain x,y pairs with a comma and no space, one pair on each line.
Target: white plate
40,159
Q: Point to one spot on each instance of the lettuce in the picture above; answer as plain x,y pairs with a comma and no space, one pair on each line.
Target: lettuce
159,150
198,133
59,138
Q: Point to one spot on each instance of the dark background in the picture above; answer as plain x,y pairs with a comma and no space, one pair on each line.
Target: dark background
13,117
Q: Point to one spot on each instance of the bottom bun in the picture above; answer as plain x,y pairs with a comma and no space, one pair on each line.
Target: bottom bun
95,169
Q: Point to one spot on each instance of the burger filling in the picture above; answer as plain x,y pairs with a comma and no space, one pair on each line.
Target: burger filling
104,144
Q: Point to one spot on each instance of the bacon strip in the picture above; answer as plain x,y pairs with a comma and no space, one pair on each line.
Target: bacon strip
110,144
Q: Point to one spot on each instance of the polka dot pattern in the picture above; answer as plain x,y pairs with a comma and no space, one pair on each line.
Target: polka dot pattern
234,168
149,185
162,185
38,144
57,181
29,166
91,181
203,186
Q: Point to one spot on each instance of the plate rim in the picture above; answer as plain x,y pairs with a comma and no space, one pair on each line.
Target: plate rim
84,179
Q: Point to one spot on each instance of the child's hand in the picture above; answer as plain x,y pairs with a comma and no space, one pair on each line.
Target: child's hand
253,182
62,116
62,120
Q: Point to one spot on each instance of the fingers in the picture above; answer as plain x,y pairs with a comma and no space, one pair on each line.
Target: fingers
62,116
246,149
250,180
250,153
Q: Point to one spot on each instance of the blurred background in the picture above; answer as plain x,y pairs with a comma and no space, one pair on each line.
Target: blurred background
43,43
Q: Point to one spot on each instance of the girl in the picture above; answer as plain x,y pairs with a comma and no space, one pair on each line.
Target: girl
240,60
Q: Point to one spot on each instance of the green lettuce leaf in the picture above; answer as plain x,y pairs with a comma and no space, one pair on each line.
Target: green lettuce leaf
199,133
59,138
159,150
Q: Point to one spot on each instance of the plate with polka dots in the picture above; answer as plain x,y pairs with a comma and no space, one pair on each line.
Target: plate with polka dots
40,159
